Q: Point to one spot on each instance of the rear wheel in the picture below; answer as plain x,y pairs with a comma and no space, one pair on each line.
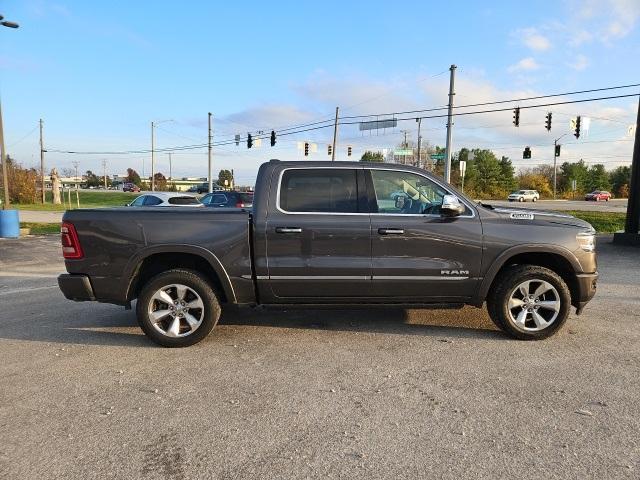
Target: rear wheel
529,302
534,199
177,308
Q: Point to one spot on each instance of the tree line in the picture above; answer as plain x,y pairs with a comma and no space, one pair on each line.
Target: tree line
488,176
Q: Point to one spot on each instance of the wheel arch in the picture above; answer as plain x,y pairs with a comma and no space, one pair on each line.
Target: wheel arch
153,260
557,259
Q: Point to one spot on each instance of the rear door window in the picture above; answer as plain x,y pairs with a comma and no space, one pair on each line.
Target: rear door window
319,190
184,201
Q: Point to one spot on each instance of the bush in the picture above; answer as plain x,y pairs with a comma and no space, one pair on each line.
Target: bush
22,182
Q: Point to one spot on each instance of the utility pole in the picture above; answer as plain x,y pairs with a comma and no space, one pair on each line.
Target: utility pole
631,234
153,158
5,175
405,146
419,120
170,174
42,163
104,172
335,135
447,162
75,164
209,170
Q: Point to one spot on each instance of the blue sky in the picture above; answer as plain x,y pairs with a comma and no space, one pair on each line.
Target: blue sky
99,72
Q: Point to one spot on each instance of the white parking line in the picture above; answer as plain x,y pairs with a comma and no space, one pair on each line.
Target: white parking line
24,290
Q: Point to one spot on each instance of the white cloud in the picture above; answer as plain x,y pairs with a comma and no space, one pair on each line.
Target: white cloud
580,63
534,39
527,64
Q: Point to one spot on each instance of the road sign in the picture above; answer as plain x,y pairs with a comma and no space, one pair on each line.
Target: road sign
463,167
574,184
403,151
378,124
437,156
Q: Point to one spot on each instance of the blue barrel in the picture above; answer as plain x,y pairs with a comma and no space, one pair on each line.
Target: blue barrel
9,224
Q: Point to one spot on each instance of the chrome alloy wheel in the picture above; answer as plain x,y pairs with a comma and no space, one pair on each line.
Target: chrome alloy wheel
176,310
533,305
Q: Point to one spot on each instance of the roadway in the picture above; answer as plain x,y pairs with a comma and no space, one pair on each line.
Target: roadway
314,393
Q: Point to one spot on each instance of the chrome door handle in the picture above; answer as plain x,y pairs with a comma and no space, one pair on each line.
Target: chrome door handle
288,230
391,231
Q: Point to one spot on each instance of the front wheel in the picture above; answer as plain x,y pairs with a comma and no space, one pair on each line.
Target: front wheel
529,302
177,308
521,199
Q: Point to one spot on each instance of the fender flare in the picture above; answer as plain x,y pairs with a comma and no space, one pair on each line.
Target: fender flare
133,265
502,259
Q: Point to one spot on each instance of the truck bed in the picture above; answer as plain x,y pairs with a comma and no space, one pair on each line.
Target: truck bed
116,241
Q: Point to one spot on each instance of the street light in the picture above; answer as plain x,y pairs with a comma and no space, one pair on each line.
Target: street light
153,156
3,153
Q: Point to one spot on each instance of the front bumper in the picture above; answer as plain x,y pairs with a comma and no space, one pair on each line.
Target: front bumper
586,283
76,287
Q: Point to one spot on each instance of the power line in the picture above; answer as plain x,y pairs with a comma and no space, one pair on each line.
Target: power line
319,126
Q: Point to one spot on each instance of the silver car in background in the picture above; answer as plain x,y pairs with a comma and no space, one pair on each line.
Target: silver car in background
524,196
165,199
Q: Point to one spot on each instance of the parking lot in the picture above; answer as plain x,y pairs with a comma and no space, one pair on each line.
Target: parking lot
314,393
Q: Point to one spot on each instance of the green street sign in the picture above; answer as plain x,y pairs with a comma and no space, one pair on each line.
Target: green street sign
403,151
437,156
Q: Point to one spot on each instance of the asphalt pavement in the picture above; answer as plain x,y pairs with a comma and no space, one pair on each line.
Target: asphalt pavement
314,393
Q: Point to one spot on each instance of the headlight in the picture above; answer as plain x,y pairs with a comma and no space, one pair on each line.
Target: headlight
587,241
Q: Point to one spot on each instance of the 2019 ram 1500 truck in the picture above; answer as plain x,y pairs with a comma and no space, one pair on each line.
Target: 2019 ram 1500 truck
337,233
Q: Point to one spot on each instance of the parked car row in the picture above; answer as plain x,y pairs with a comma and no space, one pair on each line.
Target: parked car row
222,199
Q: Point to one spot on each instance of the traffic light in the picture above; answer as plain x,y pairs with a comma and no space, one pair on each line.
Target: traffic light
329,147
547,124
348,151
273,138
516,116
306,149
557,150
577,131
249,140
526,153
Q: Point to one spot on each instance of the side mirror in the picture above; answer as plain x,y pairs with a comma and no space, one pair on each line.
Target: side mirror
400,200
451,206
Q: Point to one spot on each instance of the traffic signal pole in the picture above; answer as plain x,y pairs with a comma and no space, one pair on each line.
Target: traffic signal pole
209,178
631,234
335,135
447,160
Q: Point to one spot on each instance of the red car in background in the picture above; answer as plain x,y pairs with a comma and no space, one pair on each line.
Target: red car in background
130,187
598,195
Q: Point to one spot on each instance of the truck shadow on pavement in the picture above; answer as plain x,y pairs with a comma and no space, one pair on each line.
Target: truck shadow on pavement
466,322
110,325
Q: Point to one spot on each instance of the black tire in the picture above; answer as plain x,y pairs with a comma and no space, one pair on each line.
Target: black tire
521,199
194,281
502,289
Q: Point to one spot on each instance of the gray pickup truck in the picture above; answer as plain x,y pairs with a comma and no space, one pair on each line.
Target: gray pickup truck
323,233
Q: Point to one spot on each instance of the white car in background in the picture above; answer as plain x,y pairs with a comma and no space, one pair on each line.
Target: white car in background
165,199
524,196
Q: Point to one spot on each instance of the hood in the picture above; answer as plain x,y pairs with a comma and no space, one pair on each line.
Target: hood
540,217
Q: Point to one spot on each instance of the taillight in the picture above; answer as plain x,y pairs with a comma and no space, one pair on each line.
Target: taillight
70,245
239,205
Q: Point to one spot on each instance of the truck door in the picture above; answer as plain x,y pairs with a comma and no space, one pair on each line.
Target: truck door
417,254
318,235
